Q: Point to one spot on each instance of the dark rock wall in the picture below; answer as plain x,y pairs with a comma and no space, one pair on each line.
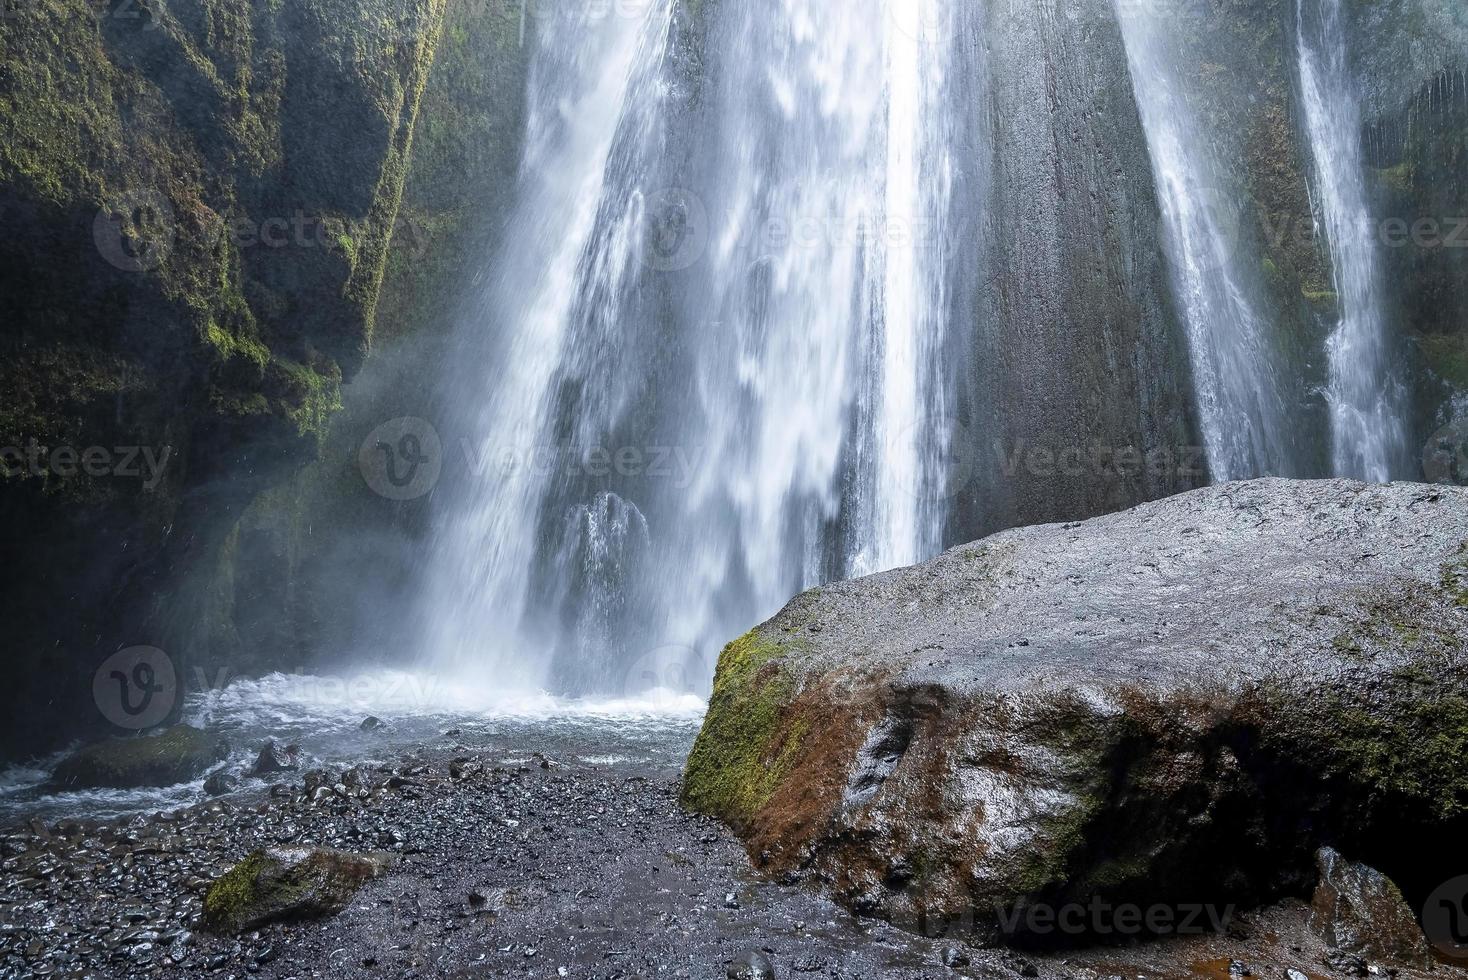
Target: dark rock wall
1078,354
198,200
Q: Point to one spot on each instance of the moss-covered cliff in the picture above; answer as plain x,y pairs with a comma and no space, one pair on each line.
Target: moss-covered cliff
308,566
198,200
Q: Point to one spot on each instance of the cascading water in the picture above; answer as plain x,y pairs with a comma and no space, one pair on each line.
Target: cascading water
748,299
1241,406
593,116
1366,398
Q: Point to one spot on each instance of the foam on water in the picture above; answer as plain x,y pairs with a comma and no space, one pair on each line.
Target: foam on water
323,715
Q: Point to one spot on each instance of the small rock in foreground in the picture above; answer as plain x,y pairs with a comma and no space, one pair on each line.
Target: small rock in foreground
274,759
288,884
1358,910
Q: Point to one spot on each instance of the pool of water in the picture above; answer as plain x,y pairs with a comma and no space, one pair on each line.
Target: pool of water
323,715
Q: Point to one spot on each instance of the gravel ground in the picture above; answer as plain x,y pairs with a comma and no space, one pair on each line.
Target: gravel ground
508,869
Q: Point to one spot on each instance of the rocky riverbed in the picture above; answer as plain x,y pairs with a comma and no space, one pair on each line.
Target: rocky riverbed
516,868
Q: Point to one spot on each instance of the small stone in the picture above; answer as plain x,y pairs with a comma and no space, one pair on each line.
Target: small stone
371,723
751,966
1293,974
954,957
1360,912
274,759
219,784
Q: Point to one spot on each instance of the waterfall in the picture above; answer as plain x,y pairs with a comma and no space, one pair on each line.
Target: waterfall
1365,396
593,113
743,296
1216,282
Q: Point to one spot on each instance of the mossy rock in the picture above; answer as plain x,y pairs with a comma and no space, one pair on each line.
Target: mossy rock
1178,703
177,755
288,885
740,755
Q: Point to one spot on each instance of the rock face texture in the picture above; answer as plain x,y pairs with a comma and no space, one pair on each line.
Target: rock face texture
1178,703
1075,344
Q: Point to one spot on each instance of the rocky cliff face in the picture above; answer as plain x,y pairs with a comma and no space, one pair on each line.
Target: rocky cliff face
315,566
1077,352
198,201
1181,702
1416,120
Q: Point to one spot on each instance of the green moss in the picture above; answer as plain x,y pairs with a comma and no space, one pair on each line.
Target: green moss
740,756
1063,836
1398,179
1414,754
231,346
230,898
1446,355
310,396
174,756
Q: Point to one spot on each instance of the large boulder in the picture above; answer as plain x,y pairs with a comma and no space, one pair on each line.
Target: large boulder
1179,703
175,756
288,884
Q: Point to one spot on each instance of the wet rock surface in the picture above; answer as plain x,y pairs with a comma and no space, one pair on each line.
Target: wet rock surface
510,870
1177,703
1358,910
177,755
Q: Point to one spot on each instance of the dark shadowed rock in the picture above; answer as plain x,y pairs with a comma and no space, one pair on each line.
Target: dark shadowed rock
274,759
1178,703
177,755
372,723
1359,910
220,783
288,884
